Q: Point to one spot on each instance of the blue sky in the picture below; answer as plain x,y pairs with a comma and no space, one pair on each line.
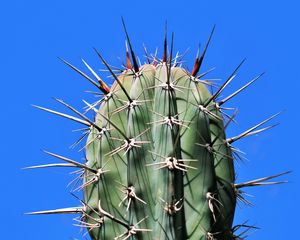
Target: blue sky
35,33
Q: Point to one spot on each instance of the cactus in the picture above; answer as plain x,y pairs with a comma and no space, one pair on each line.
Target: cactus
158,162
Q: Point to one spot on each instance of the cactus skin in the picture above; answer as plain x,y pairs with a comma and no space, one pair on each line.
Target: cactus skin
158,163
176,200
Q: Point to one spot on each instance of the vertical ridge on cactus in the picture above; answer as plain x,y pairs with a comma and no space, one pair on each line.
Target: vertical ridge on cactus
158,162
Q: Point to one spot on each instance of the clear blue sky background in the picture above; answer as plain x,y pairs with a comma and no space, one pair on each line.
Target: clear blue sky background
35,33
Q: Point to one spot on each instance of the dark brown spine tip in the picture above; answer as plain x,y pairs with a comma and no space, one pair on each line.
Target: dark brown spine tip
135,65
196,67
164,58
199,59
128,62
106,89
103,87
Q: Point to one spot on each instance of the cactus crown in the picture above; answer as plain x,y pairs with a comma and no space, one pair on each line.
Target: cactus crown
158,162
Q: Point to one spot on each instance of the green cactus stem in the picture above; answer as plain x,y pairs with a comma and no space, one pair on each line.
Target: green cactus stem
158,162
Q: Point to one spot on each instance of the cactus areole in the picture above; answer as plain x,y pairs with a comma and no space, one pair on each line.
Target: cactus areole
158,162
